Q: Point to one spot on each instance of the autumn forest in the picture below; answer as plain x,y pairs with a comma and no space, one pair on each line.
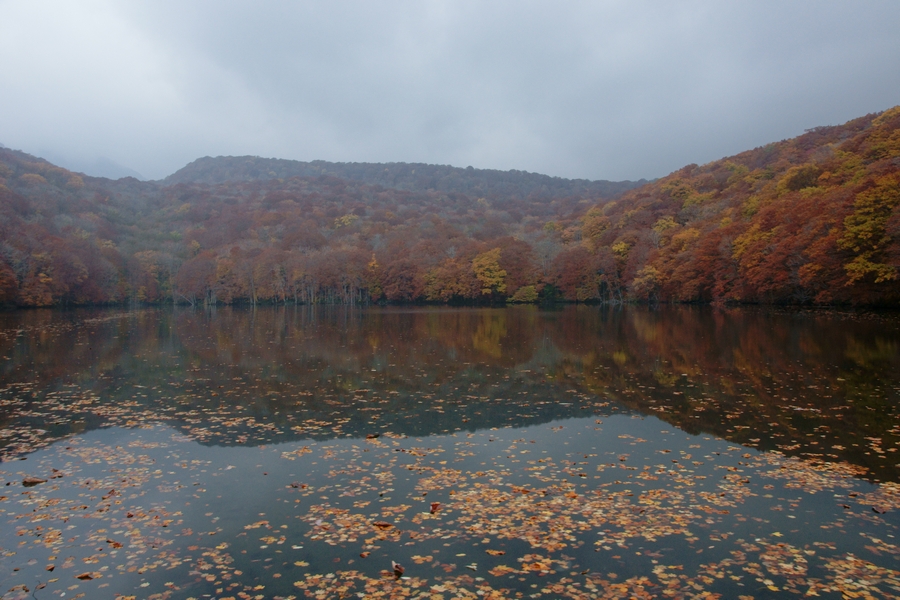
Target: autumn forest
811,220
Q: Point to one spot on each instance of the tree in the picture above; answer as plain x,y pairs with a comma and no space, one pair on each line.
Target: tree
8,283
864,231
488,272
572,274
402,281
193,282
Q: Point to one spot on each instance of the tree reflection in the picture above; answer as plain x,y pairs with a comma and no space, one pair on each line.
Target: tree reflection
820,384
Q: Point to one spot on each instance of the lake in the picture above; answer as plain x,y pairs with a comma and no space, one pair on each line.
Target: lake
584,452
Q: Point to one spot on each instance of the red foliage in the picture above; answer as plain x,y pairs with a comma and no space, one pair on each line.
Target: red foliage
815,219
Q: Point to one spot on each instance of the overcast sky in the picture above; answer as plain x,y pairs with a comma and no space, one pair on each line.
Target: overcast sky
597,90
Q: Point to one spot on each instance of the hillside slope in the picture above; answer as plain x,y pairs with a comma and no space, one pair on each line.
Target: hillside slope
72,239
811,220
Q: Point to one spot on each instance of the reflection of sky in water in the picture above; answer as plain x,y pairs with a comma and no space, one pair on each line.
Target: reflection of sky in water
554,439
277,509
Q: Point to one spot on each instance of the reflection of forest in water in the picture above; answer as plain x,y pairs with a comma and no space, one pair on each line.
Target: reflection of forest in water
820,384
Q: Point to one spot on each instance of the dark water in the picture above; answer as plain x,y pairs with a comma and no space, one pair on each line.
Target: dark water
585,452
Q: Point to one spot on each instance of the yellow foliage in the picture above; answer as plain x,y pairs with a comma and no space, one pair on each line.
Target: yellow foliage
750,207
864,230
345,221
861,266
679,189
748,238
526,294
646,282
593,226
697,199
738,172
683,239
32,179
799,177
886,116
664,224
620,249
487,269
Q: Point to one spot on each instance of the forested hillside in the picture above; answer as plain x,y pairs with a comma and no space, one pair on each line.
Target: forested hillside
814,219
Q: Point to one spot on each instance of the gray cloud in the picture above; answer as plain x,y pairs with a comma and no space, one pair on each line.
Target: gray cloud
609,90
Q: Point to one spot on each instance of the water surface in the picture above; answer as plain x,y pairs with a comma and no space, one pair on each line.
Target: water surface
584,452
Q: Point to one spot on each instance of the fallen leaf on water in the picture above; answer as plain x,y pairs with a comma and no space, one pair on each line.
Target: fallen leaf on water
398,569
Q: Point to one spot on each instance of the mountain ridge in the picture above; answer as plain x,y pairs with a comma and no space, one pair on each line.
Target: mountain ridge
397,175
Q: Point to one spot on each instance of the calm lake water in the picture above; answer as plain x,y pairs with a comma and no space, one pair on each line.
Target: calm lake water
586,452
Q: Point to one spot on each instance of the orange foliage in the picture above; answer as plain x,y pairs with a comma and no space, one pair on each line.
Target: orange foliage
811,220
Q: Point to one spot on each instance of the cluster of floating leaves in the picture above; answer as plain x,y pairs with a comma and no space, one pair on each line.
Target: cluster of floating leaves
609,506
490,515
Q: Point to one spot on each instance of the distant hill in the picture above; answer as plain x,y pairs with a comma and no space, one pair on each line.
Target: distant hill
100,167
485,183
